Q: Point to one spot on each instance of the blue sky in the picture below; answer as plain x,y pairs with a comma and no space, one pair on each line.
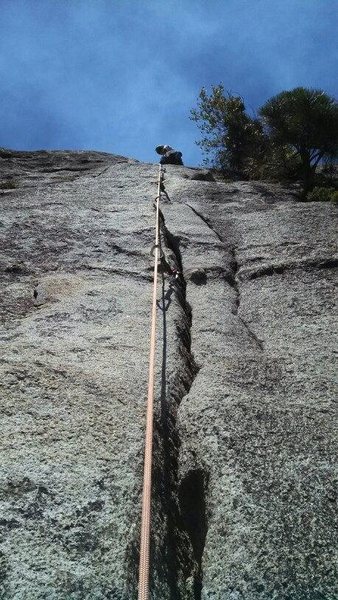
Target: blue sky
121,76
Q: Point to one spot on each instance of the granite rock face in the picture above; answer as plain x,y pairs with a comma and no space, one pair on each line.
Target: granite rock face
245,444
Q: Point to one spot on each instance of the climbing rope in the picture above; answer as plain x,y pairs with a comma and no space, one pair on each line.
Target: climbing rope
143,585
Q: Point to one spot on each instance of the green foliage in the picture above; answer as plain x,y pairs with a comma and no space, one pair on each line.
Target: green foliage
229,133
323,194
8,185
276,163
296,131
306,121
4,153
329,172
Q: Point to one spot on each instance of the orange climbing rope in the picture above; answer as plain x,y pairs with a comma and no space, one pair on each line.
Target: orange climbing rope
143,586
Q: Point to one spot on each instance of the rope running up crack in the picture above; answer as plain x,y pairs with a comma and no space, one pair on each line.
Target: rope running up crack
143,585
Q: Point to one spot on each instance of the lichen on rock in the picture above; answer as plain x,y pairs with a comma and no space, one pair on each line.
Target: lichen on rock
244,487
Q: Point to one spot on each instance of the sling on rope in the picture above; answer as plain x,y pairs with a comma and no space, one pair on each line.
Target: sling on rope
143,584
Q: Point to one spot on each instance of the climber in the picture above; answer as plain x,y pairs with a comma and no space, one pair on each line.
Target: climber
169,155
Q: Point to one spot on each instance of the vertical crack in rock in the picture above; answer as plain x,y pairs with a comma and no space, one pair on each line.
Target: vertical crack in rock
206,221
192,501
232,278
179,523
233,281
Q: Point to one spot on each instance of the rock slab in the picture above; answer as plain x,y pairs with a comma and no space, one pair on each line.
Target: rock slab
245,444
